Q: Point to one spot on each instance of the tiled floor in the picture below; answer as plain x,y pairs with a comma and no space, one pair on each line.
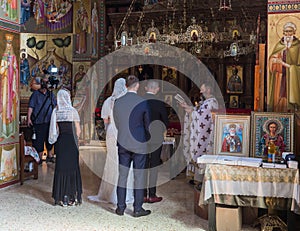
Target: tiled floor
30,206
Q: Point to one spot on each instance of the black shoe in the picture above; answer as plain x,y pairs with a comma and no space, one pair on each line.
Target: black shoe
141,213
50,159
119,212
192,182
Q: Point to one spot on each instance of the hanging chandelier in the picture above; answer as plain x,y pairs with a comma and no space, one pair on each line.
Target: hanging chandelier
228,40
225,5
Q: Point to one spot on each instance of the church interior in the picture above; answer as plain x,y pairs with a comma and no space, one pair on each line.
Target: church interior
248,52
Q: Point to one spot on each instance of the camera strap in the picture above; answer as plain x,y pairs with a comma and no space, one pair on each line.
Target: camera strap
51,104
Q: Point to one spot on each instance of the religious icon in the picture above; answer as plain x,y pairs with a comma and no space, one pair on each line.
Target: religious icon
169,100
232,135
279,126
233,101
152,37
10,94
194,35
234,79
82,27
169,75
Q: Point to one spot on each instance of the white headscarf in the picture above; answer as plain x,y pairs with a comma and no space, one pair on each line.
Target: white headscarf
64,112
119,90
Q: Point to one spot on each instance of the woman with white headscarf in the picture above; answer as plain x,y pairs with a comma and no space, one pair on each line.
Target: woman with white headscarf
64,132
107,191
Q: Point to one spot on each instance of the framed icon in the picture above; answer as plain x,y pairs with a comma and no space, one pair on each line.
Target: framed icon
170,81
169,100
261,123
232,134
234,101
234,79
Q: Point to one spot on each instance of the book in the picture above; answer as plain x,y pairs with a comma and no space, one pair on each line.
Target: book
230,160
273,165
179,98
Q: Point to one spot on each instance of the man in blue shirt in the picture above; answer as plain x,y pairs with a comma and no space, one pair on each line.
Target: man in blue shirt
41,104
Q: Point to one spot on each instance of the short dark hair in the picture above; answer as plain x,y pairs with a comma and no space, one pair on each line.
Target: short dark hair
272,122
131,81
67,87
207,84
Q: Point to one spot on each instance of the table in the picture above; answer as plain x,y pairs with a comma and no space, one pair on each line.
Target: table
169,145
172,155
251,186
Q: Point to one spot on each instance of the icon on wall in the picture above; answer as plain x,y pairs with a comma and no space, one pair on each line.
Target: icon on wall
234,79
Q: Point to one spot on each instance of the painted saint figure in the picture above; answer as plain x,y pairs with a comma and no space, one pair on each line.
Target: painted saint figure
94,29
38,10
232,142
12,12
82,22
36,71
284,72
24,69
235,82
25,11
78,77
272,129
9,86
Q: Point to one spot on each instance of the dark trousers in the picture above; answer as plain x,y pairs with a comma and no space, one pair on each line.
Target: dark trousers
139,163
42,134
153,161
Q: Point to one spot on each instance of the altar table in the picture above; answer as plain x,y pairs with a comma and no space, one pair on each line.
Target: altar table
249,186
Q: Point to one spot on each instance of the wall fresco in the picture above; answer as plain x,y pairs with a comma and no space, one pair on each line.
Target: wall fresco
46,16
9,10
9,163
283,58
9,91
42,53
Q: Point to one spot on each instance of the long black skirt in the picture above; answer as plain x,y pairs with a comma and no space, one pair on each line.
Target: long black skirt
67,177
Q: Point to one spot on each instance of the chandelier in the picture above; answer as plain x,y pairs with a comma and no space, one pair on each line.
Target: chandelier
230,41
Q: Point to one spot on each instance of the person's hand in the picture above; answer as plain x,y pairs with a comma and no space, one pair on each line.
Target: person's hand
186,107
29,122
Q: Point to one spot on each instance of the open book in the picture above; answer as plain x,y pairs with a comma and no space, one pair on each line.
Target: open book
179,98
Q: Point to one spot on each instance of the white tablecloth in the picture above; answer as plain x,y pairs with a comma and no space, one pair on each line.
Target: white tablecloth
250,182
